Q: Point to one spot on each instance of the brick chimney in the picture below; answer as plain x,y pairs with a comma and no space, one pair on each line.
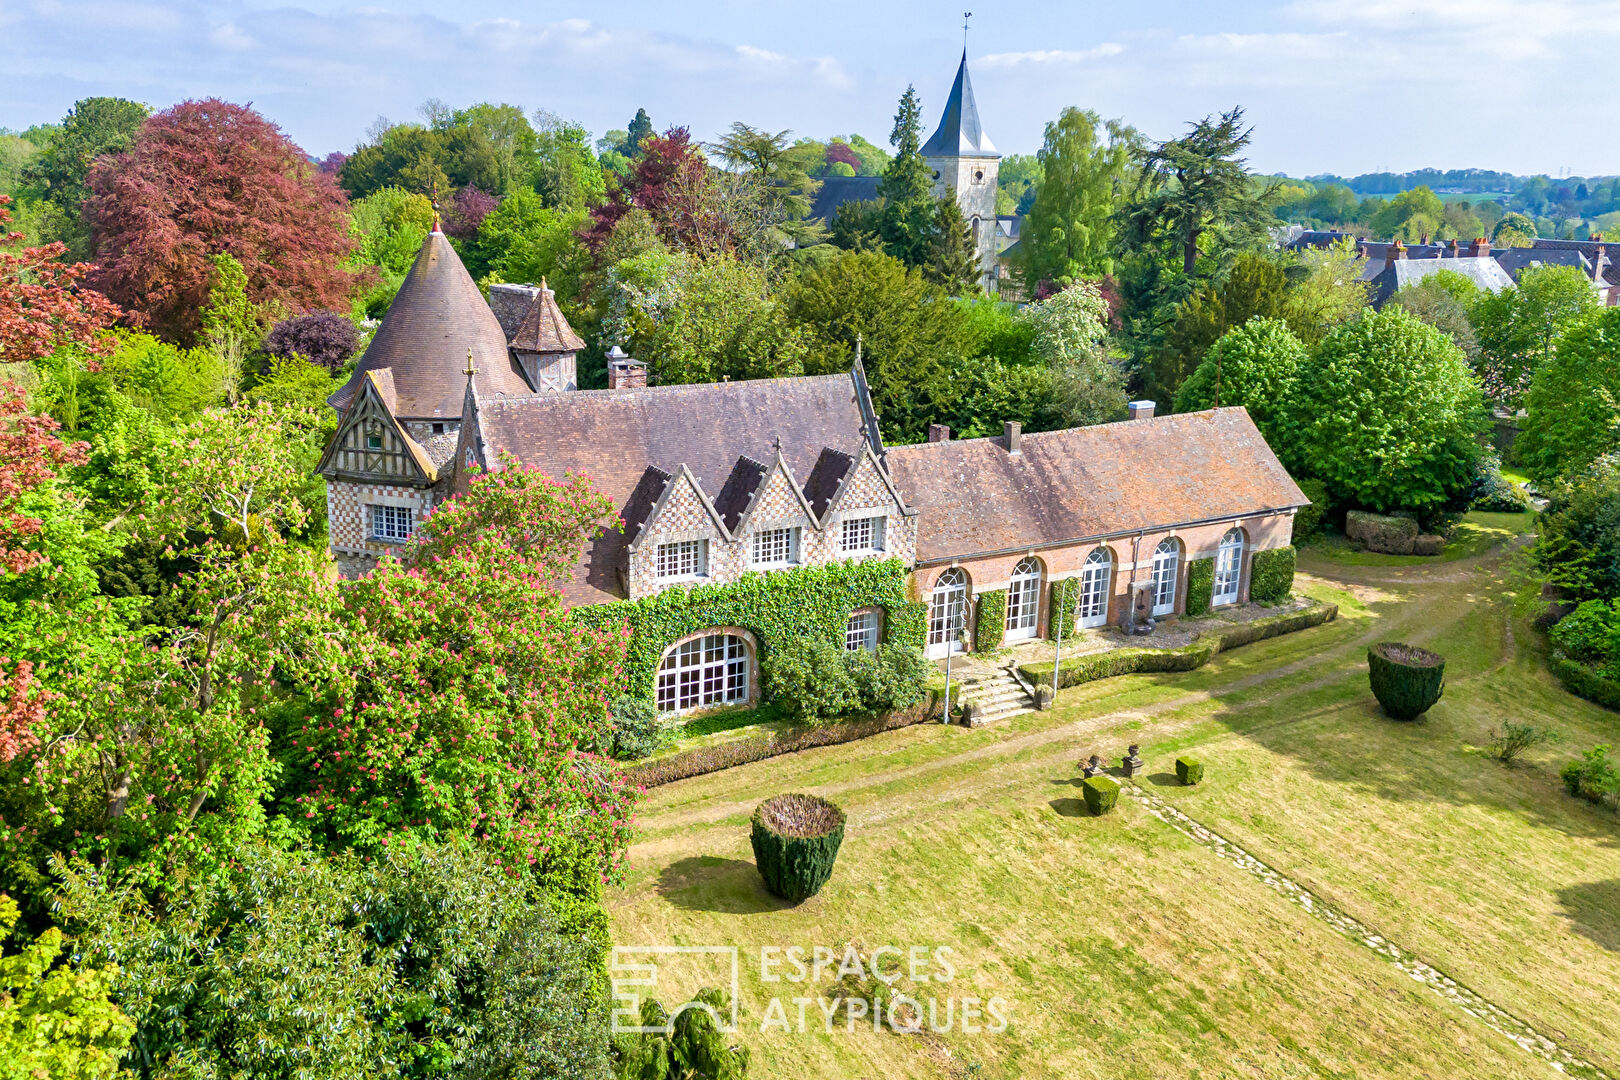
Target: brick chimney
1013,431
1600,262
1482,248
1397,250
1455,247
1140,410
939,433
624,372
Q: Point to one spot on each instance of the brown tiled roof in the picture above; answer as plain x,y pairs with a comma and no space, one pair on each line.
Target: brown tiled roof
615,437
1083,483
436,317
544,329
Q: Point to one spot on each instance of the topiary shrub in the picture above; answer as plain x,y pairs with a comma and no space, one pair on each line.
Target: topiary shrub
1188,771
1101,793
1200,586
1308,519
810,683
1271,576
1405,679
1065,601
1385,535
990,626
796,839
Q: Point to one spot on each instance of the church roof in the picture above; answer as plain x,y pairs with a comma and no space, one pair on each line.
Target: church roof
959,133
435,318
544,330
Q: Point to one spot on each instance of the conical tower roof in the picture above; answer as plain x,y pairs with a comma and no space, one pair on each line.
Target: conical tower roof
959,133
436,317
544,329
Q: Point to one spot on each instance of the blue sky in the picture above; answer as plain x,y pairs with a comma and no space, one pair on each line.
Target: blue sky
1331,85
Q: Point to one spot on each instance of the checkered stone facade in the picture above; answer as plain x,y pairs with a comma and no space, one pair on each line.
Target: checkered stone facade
352,548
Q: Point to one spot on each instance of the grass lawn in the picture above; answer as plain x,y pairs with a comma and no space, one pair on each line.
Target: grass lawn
1477,533
1123,949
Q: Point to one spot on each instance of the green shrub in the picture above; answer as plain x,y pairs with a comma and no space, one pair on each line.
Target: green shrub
1065,600
1493,492
1405,679
890,679
1583,681
1578,542
990,625
1101,793
1513,739
695,1046
1189,771
1308,519
1594,777
1271,577
1200,586
1591,634
636,730
1387,535
796,840
810,682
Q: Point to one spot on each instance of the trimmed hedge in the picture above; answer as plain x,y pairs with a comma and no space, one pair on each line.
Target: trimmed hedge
1582,680
1375,532
796,840
1188,771
1405,679
1200,587
990,624
1130,661
777,608
1271,575
1065,600
1101,794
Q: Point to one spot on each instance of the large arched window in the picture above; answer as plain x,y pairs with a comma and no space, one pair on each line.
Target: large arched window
1228,568
710,669
1095,579
1023,600
1166,564
947,612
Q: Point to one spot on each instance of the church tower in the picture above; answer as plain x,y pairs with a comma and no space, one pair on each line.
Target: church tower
965,163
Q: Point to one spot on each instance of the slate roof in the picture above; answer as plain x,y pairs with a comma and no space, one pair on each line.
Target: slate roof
544,330
436,317
837,190
632,443
1397,274
1086,483
959,132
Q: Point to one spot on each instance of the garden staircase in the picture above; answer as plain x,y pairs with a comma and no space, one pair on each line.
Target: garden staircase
996,694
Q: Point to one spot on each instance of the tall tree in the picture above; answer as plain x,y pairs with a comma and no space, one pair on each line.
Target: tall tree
206,177
782,170
92,128
1069,230
1574,400
640,130
907,224
567,173
1255,286
1519,327
953,262
43,308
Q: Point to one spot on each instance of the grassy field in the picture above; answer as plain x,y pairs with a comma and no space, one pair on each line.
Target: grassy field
1123,949
1476,534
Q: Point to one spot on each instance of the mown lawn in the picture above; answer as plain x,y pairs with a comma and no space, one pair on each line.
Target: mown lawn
1124,950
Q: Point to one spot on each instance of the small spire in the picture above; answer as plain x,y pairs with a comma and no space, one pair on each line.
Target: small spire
471,371
543,286
433,198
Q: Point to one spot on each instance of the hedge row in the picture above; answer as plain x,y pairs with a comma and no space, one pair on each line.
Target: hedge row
1093,666
1200,587
1583,681
707,759
777,608
1065,601
990,627
1271,575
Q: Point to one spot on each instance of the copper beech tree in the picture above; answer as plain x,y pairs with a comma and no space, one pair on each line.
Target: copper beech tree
43,306
204,178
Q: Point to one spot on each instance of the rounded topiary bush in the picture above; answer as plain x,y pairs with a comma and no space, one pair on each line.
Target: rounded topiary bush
1406,680
796,839
1101,794
1188,771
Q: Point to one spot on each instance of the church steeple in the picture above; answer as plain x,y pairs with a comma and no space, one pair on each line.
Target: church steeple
959,133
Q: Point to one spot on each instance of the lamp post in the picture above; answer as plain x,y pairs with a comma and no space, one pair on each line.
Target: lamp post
1057,638
954,628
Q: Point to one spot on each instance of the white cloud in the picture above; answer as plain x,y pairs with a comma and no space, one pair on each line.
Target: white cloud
1049,56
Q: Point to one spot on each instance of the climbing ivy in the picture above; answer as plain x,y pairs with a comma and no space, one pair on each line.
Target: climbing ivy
777,608
991,625
1065,599
1200,587
1271,577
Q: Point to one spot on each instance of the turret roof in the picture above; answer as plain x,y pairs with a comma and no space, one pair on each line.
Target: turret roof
959,133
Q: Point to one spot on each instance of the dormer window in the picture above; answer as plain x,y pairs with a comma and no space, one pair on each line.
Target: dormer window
859,536
776,547
682,559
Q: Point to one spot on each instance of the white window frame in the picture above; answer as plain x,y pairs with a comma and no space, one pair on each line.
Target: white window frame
1166,575
389,523
1023,601
681,560
862,535
947,613
861,630
1092,607
1228,569
714,669
774,547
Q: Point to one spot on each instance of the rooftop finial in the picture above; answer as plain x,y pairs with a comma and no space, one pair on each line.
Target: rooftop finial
433,198
471,371
966,15
543,286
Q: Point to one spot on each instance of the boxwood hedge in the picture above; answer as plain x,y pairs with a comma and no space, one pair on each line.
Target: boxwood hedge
1200,586
1405,679
1101,793
990,627
796,840
1271,575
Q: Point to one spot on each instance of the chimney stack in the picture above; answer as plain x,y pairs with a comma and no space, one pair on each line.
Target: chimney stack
1014,433
939,433
1456,248
1397,250
625,372
1140,410
1482,248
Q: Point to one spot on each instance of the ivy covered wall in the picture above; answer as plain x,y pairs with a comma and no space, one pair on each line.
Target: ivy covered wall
1200,587
777,608
990,627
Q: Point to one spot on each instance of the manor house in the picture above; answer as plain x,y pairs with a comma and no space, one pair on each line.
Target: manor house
717,480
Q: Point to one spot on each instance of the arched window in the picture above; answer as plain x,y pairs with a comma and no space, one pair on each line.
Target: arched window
1166,563
1023,600
975,230
947,612
1228,568
1095,580
712,669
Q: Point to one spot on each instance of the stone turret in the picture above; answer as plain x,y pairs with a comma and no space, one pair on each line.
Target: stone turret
965,162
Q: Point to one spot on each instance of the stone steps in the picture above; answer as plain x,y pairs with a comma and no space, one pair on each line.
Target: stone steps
995,695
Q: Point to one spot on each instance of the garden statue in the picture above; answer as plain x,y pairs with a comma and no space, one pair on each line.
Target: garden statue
1094,767
1132,762
1139,616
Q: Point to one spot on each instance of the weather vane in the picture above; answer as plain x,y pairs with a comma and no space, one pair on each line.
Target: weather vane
966,15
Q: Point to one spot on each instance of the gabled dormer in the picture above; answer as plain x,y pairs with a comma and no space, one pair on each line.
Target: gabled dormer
371,445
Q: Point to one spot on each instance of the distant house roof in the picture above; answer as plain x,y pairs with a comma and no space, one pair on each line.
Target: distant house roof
959,133
436,317
837,190
1484,271
1086,483
632,443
